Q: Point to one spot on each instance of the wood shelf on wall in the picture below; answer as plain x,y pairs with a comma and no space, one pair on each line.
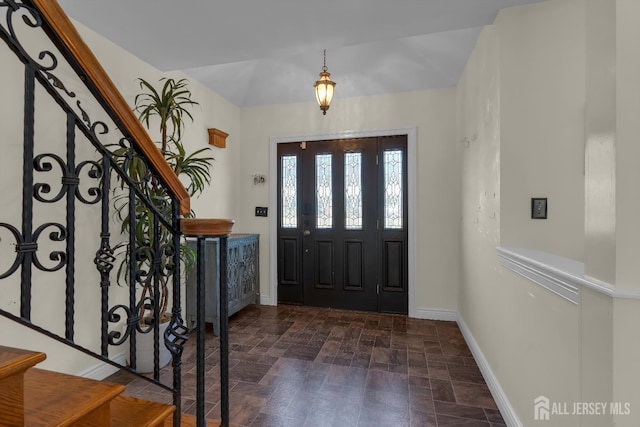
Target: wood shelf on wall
218,137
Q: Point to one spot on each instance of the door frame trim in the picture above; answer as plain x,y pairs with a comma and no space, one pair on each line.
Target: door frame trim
412,175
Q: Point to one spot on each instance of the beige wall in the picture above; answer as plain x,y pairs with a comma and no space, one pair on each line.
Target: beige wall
526,333
513,129
626,351
232,193
627,147
123,68
438,175
535,93
542,103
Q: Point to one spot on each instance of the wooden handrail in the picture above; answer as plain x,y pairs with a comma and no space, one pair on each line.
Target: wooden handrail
59,22
205,227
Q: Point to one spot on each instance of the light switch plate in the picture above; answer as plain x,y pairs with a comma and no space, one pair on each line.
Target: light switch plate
539,208
261,211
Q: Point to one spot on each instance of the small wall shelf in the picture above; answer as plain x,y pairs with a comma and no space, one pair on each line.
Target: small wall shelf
218,137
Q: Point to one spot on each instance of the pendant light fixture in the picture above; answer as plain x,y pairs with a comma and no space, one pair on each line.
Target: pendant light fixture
324,87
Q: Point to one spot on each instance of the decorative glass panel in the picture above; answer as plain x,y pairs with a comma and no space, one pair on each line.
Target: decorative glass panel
353,191
392,161
324,191
289,191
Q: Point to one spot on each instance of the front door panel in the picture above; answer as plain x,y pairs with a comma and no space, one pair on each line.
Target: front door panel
344,245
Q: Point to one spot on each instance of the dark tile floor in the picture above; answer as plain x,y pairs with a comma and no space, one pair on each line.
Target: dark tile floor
307,367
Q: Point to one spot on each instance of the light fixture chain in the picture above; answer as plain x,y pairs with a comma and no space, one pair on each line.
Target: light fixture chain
324,66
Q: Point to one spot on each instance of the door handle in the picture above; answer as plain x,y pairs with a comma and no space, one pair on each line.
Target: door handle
306,233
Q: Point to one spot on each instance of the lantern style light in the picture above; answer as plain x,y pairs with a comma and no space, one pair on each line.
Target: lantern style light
324,87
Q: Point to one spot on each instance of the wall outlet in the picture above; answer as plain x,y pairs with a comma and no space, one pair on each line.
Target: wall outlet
261,211
539,208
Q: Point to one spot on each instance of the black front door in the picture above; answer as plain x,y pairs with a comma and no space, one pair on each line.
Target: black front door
342,228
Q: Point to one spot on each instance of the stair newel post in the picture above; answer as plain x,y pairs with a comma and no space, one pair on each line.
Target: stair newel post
202,229
224,335
178,331
200,333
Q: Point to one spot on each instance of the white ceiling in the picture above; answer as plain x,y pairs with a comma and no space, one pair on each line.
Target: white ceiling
258,52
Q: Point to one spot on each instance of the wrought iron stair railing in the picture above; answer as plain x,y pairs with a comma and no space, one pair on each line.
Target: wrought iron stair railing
79,136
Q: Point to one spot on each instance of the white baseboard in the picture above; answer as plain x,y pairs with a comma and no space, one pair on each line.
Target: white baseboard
102,370
508,413
436,314
266,300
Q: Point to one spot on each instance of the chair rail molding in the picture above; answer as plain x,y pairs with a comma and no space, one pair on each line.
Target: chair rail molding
562,276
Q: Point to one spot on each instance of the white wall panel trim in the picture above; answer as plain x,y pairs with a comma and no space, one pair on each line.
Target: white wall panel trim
436,314
102,370
562,276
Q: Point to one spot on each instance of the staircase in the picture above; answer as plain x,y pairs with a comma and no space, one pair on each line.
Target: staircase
96,135
35,397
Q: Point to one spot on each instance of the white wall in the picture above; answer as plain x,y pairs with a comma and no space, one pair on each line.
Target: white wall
438,201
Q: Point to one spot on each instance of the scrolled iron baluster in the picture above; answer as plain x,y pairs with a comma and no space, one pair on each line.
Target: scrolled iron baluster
169,265
32,18
94,126
39,165
178,332
95,172
176,336
55,236
145,303
157,316
143,182
70,184
144,257
69,179
19,254
162,204
131,162
115,337
104,259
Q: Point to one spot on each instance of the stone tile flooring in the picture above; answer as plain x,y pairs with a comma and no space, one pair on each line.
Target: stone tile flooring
311,367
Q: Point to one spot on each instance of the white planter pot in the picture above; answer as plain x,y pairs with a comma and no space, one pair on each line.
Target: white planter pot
144,351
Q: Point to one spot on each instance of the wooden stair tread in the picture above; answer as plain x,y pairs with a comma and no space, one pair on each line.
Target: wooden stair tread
55,399
129,411
14,360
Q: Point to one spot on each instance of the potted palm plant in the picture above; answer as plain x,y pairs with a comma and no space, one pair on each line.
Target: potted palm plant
166,107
